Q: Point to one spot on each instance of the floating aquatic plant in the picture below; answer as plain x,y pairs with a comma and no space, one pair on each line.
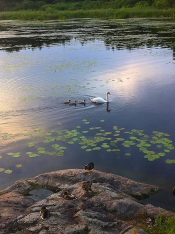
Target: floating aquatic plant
32,154
8,171
152,146
15,155
170,161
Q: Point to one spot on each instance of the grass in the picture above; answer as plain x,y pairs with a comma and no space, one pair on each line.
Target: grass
123,13
162,226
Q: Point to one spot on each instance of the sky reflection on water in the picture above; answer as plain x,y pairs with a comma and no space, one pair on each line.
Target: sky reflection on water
35,82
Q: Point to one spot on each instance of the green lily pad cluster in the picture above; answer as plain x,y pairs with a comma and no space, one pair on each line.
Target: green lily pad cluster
55,142
149,145
96,138
8,171
15,155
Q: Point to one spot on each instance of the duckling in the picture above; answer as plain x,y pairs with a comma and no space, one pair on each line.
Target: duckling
73,103
44,213
89,166
84,102
69,196
86,186
67,102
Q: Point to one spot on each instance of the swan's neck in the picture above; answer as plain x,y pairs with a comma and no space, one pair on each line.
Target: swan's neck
107,97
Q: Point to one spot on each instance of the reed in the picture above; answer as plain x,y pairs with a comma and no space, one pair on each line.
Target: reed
53,14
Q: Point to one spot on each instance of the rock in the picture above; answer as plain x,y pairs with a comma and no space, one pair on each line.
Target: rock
113,205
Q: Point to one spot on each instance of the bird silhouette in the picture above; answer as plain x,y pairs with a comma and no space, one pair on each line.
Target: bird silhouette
68,196
84,102
73,103
89,166
68,102
44,213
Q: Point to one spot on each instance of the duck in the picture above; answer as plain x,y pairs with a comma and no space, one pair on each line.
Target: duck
67,102
44,213
69,196
100,99
89,166
73,103
86,186
174,191
84,102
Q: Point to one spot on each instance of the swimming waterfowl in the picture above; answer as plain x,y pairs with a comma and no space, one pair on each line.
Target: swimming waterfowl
89,166
73,103
100,99
67,102
44,213
84,102
69,196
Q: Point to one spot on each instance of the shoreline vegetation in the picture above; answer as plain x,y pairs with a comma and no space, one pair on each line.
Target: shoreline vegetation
122,13
72,9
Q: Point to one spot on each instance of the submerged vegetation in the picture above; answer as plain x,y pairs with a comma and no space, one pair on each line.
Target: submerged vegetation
90,138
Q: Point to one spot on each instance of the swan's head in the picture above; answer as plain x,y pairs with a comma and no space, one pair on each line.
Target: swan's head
108,93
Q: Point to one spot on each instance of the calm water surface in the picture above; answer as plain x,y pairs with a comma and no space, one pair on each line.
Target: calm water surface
43,64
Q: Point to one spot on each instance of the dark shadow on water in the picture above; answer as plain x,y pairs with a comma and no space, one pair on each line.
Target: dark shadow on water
100,104
164,199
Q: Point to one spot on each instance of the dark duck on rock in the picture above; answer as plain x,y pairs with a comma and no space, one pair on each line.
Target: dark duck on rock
174,191
44,213
89,166
68,196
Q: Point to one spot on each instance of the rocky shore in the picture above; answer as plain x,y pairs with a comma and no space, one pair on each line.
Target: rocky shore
110,204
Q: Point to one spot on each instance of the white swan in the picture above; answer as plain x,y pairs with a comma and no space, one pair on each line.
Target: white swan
100,100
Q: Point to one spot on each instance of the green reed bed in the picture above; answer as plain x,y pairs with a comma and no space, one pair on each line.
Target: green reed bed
51,14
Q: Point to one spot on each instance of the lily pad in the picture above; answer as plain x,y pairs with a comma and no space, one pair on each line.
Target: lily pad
8,171
31,144
32,154
84,147
169,161
15,155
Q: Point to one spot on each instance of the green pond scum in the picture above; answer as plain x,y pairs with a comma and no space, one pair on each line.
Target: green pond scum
94,138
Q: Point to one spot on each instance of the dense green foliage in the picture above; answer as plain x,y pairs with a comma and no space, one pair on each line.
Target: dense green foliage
52,14
61,5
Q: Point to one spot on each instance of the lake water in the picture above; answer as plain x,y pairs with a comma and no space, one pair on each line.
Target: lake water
43,64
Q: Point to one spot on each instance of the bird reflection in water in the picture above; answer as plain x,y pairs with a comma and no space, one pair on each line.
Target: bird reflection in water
107,106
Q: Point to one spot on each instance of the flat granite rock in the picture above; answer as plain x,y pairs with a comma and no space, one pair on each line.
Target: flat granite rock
111,205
